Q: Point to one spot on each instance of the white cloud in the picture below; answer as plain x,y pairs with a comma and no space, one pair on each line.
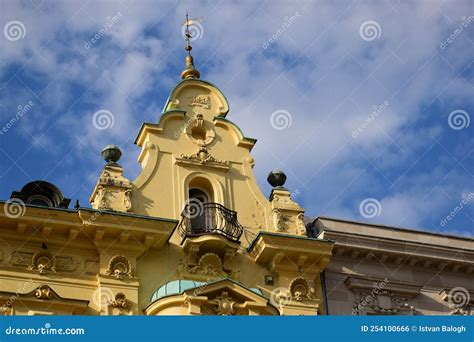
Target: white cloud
320,55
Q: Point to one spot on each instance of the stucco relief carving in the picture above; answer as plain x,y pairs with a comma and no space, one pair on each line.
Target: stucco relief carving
18,258
209,264
44,292
113,191
209,267
460,301
382,303
119,267
40,261
225,304
465,310
300,224
200,101
67,264
201,135
202,156
126,200
121,303
287,214
198,132
43,262
281,222
301,290
6,310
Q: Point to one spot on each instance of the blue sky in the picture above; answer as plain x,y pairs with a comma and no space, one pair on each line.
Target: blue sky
359,102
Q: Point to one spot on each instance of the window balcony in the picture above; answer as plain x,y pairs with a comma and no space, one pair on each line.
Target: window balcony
199,219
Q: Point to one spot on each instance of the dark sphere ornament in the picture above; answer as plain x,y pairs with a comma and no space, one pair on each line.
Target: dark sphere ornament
111,154
276,178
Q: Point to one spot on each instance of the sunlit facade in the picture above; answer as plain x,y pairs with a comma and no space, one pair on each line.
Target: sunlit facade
193,234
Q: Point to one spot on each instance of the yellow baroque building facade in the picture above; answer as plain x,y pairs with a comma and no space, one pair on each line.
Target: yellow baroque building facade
193,234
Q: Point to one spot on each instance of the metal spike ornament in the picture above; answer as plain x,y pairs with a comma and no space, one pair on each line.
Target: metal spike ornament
190,71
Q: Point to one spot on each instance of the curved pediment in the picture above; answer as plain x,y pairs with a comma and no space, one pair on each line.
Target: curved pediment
197,96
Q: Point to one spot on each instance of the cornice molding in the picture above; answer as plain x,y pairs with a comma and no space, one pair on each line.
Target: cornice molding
356,246
356,282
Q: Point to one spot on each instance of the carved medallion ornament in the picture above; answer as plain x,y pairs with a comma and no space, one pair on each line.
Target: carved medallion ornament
44,292
119,267
198,132
225,304
301,290
120,302
43,262
201,136
209,265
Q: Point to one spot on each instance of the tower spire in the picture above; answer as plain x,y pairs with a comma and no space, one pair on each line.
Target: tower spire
190,71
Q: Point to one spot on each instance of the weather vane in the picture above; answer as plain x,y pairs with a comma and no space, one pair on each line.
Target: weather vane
190,71
187,33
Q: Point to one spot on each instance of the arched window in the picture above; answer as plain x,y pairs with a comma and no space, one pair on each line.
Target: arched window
39,200
200,216
200,194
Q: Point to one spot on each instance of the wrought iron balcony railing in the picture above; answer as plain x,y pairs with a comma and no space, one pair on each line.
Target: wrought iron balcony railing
209,218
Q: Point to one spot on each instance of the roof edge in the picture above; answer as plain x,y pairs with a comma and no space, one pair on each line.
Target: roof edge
410,230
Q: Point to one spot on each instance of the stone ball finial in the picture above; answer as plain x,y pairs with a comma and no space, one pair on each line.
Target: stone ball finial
111,154
276,178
